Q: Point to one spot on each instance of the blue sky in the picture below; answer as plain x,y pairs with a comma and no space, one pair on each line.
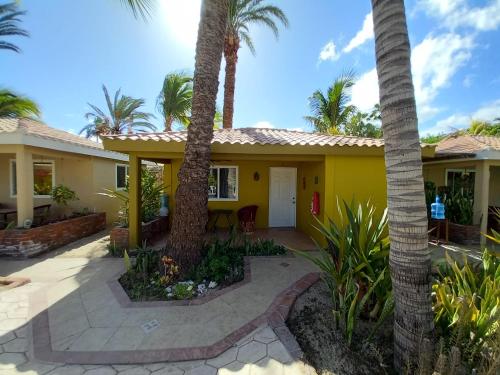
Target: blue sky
76,46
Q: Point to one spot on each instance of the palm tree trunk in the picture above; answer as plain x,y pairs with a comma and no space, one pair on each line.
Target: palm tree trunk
191,214
168,123
410,260
231,46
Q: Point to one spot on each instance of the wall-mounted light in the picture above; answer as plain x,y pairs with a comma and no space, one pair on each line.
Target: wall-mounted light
256,176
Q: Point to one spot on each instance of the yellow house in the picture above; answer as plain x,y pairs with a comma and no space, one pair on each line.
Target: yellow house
476,158
35,157
277,170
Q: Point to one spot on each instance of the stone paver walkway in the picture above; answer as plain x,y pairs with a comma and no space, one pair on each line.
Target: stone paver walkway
84,320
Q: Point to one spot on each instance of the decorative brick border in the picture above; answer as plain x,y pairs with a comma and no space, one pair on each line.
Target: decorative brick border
275,316
125,301
14,282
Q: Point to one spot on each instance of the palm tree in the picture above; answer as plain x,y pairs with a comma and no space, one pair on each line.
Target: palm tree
191,214
16,106
409,259
10,17
124,115
242,14
174,101
331,112
139,7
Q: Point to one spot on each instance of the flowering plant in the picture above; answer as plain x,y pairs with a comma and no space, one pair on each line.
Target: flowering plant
171,270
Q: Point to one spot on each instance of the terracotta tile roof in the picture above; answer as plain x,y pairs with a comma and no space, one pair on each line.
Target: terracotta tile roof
467,144
38,129
256,136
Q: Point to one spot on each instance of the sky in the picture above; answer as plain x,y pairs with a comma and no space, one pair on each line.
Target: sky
76,46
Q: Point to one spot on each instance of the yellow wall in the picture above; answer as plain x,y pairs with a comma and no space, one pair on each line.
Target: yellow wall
84,174
250,192
342,176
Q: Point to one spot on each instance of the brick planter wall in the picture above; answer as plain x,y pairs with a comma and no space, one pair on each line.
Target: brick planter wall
150,231
30,242
464,234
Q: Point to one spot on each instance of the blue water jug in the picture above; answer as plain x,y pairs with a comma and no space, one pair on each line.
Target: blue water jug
437,209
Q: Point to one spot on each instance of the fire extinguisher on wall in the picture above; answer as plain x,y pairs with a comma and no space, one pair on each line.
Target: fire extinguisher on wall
315,203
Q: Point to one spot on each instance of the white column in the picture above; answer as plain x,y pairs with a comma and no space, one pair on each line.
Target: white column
24,173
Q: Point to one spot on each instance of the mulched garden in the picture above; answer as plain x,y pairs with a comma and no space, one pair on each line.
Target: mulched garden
312,323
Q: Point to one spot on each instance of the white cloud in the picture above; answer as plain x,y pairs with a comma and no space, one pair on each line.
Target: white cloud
468,80
457,13
363,35
364,93
329,52
486,112
263,125
434,62
268,125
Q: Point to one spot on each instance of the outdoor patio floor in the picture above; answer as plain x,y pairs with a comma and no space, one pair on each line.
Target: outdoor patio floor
69,316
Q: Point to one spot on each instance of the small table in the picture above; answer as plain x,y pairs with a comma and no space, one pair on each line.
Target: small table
436,223
218,213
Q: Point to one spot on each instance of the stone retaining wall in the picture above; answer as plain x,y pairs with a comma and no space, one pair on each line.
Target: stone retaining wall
150,231
30,242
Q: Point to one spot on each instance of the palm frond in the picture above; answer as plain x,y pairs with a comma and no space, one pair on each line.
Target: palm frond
17,106
140,8
10,17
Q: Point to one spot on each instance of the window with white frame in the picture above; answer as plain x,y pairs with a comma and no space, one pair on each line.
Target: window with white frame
121,176
223,183
44,178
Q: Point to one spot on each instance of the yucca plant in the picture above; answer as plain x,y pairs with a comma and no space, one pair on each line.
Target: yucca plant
467,304
355,264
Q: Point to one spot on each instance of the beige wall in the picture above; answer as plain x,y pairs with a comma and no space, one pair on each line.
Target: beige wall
436,173
494,199
86,175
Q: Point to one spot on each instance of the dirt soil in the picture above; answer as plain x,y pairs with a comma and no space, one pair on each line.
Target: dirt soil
324,347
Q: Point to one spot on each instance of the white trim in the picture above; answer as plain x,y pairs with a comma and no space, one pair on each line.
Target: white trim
53,164
294,217
59,145
11,179
116,175
37,161
219,166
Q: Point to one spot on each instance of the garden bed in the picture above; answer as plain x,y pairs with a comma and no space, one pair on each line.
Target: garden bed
33,241
154,278
464,234
312,323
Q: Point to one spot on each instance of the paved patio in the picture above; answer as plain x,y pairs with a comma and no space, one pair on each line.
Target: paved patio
68,321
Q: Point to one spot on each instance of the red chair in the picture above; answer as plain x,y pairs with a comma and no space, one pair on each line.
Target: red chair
246,218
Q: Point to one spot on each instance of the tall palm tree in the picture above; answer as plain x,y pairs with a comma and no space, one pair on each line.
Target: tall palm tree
10,17
331,111
242,14
174,101
191,197
124,115
410,259
16,106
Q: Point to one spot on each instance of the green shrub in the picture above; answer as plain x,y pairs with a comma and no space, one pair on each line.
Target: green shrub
147,261
150,197
355,265
467,305
62,195
183,291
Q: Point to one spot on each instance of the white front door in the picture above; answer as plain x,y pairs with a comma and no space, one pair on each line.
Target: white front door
282,196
